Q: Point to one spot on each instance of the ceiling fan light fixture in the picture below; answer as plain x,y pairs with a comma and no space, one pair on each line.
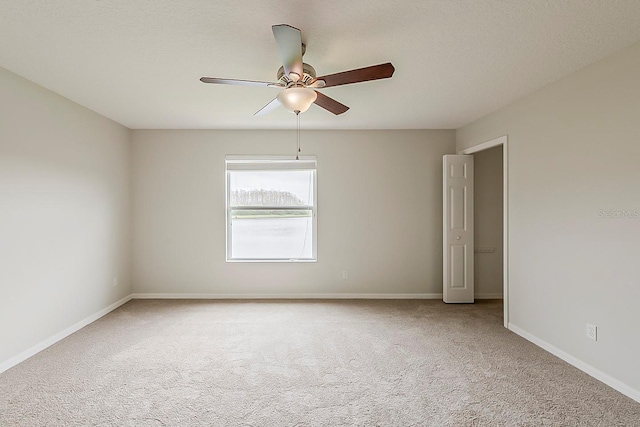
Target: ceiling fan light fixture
298,79
297,98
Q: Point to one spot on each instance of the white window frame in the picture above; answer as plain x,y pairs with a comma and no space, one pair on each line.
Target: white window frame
264,163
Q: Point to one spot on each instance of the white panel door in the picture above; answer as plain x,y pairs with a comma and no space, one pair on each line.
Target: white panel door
457,216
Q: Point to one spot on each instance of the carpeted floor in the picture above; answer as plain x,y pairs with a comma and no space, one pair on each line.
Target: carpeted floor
304,363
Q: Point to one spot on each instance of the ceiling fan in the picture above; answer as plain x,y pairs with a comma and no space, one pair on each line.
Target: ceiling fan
298,79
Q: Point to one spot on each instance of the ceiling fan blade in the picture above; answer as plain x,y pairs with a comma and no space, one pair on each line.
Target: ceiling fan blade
330,104
268,108
375,72
289,41
237,82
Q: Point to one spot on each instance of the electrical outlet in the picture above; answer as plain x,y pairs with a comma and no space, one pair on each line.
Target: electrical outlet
592,332
114,281
345,274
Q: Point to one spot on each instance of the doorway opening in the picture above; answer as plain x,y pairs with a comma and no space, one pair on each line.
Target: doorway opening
487,251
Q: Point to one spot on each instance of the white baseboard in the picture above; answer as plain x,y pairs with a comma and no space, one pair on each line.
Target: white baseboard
585,367
60,335
497,295
302,296
284,296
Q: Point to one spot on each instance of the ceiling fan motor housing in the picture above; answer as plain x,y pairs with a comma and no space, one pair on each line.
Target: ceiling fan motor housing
308,75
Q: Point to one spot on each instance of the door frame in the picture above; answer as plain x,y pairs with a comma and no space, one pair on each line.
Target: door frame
504,142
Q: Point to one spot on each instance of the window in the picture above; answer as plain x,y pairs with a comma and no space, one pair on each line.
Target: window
271,209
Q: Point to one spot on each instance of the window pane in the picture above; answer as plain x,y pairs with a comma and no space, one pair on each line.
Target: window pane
271,234
271,188
271,210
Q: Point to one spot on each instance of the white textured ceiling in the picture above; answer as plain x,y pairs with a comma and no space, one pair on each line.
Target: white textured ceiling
138,62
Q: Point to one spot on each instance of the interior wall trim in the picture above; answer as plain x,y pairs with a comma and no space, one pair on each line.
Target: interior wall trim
21,357
504,142
287,296
583,366
496,295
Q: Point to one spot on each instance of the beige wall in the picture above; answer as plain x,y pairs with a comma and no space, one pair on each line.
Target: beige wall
64,214
379,213
488,224
574,152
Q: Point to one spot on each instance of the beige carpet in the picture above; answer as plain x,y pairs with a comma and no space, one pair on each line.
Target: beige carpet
304,363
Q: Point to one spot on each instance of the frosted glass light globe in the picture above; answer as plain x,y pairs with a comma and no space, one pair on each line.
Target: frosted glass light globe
297,98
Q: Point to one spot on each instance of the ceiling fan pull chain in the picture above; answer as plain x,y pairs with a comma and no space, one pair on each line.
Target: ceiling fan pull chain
298,134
